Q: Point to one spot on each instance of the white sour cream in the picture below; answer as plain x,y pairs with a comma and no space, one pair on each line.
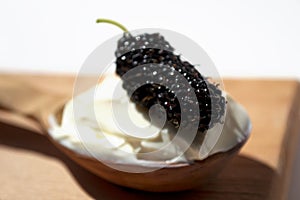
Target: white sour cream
92,130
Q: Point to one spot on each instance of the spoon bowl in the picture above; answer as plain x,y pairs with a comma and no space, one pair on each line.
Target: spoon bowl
171,178
28,99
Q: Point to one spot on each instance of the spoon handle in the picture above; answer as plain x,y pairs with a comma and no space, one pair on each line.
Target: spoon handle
29,96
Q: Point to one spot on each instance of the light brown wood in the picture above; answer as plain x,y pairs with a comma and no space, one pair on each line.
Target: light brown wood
254,173
273,106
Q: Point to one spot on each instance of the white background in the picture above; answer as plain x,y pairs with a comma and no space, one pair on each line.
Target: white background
243,38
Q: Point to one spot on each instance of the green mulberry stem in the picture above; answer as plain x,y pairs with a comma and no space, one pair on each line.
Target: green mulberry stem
112,22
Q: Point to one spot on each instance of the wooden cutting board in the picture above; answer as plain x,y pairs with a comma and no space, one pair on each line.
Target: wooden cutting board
31,167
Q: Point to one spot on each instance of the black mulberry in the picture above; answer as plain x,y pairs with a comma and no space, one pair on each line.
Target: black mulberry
150,50
158,59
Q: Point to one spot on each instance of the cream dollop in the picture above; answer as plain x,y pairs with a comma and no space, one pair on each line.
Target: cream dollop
92,130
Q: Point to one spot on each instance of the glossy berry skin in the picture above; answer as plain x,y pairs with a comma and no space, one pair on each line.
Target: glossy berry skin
157,58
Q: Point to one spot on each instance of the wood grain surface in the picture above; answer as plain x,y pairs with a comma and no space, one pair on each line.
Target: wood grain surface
31,167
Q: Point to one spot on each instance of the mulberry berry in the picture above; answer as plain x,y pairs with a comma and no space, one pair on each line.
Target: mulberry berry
157,56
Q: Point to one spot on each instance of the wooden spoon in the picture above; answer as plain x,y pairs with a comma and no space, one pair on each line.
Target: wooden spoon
26,97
